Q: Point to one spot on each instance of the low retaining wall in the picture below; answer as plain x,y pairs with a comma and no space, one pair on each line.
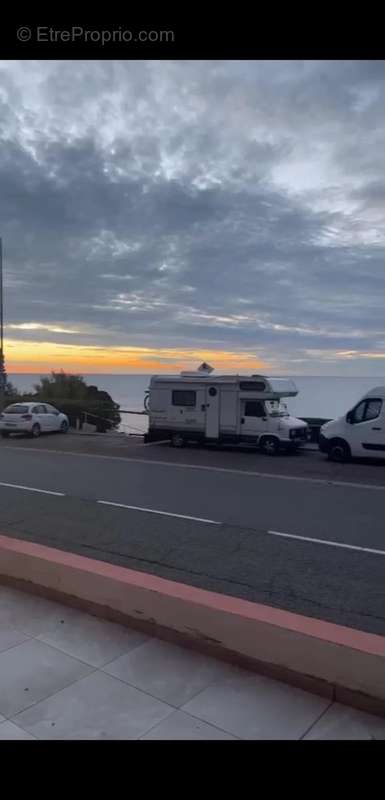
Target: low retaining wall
341,663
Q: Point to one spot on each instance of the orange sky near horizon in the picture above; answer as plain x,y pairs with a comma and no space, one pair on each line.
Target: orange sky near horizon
42,357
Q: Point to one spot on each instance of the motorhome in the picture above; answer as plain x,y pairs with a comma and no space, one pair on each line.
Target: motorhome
360,432
228,409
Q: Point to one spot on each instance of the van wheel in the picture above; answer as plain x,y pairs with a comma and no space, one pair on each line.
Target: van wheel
269,446
177,440
339,451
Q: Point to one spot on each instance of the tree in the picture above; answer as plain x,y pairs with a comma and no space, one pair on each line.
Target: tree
79,401
8,392
60,385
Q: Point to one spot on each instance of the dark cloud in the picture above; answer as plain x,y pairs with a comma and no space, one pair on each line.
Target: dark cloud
223,205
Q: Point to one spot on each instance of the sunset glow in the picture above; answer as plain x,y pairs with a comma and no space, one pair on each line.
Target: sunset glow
42,357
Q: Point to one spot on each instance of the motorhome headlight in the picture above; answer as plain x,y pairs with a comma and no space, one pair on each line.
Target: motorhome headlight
298,433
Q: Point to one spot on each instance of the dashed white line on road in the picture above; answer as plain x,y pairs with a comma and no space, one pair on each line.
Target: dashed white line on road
156,511
328,543
31,489
204,467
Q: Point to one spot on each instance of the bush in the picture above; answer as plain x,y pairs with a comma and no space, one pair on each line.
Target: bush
71,395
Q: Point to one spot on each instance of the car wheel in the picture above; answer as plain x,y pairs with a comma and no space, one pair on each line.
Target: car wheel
36,430
177,440
339,451
5,434
64,427
269,446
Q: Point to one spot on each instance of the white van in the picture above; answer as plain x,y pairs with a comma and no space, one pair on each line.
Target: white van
228,409
360,433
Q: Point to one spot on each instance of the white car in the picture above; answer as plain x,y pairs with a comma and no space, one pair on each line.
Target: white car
32,418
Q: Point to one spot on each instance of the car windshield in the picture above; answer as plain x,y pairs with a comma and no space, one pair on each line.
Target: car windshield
16,410
276,408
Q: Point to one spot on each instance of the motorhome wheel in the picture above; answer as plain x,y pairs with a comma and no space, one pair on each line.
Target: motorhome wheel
177,440
269,445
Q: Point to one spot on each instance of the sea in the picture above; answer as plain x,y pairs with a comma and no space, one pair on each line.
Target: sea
318,396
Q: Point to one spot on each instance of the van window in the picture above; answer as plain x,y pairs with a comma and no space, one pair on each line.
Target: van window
367,410
358,412
183,397
254,408
252,386
373,408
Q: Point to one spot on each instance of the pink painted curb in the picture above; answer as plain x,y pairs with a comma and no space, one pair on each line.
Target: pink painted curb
341,662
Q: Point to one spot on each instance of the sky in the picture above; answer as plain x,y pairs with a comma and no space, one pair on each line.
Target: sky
155,214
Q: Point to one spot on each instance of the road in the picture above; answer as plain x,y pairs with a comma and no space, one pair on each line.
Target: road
294,532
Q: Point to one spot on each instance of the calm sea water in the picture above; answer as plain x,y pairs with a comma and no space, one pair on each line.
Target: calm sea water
328,397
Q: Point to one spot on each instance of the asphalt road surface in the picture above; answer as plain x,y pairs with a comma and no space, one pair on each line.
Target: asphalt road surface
294,531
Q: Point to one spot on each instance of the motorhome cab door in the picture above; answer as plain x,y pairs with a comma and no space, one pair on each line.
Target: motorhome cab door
254,419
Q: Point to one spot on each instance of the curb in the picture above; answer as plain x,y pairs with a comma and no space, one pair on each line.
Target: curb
340,663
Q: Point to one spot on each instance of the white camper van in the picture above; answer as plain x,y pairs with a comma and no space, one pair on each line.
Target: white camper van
232,409
359,433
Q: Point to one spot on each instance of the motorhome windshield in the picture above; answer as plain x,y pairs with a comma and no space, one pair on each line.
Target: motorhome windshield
275,408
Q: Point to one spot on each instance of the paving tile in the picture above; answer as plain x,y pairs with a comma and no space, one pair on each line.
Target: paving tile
10,732
90,639
167,671
33,670
96,707
180,725
255,707
27,613
9,637
342,722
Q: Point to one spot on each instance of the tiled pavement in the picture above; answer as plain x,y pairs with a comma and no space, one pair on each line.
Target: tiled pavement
67,675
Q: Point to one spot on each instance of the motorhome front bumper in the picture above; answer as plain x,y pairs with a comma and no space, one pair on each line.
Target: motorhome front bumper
299,435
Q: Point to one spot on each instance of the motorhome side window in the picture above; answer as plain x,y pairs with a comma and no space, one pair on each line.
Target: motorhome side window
254,408
252,386
183,397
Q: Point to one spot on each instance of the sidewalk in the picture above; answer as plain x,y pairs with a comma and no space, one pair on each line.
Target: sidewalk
67,675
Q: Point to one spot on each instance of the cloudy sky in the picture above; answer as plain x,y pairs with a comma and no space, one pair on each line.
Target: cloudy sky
158,213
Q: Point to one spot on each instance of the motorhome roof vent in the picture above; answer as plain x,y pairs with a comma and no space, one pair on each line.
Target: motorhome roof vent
201,372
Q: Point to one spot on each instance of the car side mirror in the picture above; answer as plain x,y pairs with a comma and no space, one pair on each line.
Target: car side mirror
349,417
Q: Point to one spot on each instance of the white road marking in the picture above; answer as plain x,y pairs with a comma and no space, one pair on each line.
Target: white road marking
155,444
204,467
155,511
328,543
31,489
